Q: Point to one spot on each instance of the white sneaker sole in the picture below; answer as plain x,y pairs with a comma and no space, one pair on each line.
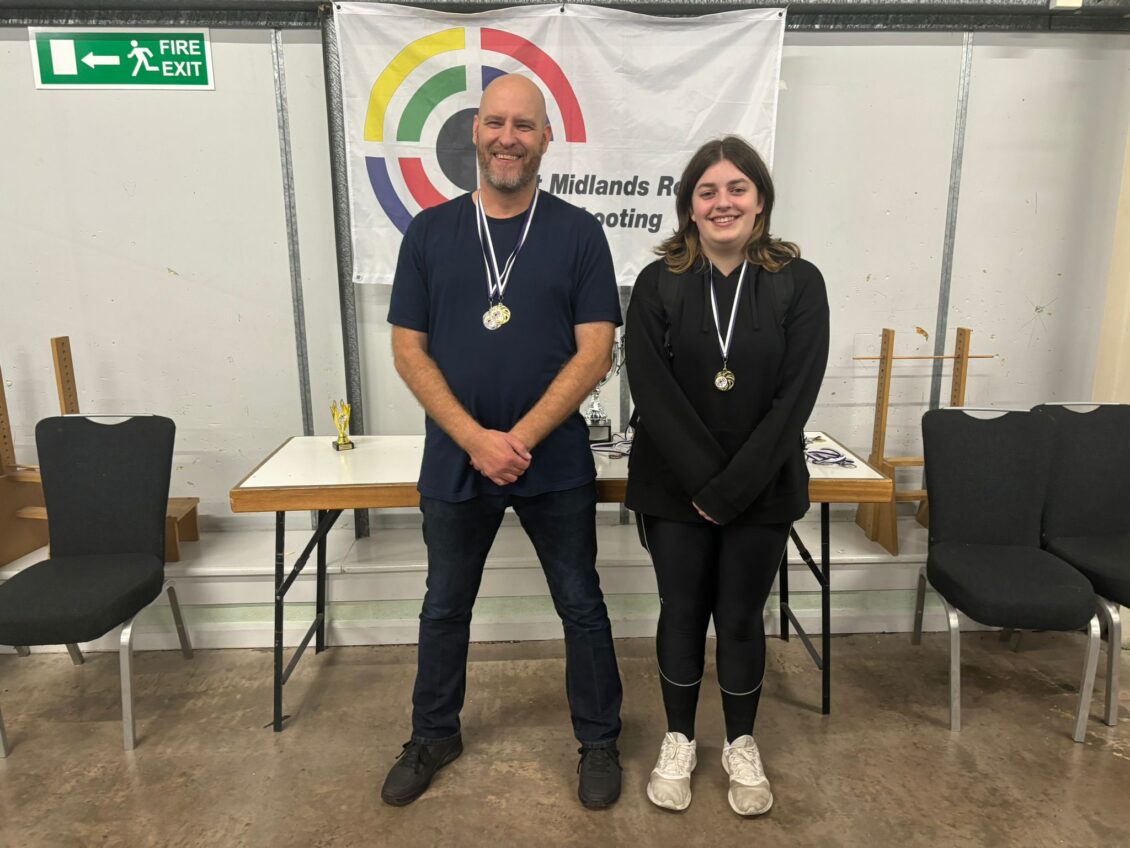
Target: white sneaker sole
667,805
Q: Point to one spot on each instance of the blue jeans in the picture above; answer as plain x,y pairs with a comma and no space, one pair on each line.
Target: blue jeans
562,527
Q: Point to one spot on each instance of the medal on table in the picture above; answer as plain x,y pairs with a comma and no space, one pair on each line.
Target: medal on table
498,313
724,380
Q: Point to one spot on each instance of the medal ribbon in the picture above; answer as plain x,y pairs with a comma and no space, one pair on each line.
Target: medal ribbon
724,344
496,282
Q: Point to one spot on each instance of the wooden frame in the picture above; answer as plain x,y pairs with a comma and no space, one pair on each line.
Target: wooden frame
879,520
64,375
20,490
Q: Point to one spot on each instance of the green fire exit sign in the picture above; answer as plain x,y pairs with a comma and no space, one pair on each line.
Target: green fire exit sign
112,58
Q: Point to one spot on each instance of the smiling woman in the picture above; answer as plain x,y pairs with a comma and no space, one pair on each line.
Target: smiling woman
727,339
725,176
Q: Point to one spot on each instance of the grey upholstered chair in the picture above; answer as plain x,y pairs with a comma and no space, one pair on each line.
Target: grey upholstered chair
988,478
106,486
1087,513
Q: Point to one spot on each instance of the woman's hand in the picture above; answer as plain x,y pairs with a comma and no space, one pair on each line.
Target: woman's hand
698,509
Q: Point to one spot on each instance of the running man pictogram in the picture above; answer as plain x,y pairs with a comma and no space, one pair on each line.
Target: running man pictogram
142,54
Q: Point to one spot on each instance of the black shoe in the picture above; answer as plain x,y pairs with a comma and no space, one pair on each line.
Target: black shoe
600,777
415,767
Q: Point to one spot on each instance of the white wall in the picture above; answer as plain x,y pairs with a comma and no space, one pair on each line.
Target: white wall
149,227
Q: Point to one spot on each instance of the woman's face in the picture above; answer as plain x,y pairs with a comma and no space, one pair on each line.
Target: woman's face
725,205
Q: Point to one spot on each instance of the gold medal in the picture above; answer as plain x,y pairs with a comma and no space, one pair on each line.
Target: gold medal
724,380
498,313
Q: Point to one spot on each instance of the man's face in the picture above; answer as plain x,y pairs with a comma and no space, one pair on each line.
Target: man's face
510,134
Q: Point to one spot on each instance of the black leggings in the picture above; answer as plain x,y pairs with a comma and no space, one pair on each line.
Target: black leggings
725,571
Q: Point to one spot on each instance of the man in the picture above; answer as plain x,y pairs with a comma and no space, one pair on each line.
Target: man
503,309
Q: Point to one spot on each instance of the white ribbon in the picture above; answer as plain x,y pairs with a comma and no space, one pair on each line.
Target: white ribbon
724,344
496,282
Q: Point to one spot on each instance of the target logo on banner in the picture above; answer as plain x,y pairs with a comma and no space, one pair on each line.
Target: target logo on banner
427,97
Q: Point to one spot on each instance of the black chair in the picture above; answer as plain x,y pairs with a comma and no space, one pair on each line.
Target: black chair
1087,514
988,479
106,486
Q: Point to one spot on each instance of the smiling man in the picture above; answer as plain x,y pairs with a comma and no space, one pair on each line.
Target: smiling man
503,309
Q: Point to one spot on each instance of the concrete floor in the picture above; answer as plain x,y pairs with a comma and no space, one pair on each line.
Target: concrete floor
882,770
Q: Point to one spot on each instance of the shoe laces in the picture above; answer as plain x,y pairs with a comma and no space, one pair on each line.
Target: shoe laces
745,765
599,760
412,755
674,756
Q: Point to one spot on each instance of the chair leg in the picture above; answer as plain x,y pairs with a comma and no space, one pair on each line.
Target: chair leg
955,665
23,650
3,738
919,606
76,654
182,634
1087,685
125,659
1113,621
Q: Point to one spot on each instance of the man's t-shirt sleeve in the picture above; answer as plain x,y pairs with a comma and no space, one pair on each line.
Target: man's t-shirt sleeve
597,298
408,305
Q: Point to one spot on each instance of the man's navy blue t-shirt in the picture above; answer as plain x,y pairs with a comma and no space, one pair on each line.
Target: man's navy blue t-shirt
563,277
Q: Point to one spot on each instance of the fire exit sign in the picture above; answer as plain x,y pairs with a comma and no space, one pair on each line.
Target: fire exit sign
169,59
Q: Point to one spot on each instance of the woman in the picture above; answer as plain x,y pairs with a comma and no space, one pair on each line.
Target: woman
727,340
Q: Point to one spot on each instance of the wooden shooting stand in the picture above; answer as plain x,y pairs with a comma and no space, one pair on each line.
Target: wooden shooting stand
180,516
878,520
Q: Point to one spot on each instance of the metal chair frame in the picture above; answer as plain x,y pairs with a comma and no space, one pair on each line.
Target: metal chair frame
1090,658
125,661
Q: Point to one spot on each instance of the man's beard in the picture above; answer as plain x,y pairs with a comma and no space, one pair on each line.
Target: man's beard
526,174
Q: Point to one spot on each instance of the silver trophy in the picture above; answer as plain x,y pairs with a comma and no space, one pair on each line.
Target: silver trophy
600,426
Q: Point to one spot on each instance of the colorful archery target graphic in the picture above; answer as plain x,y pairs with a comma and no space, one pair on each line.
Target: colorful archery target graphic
450,146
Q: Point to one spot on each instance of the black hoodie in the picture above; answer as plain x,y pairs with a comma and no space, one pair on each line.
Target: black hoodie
738,454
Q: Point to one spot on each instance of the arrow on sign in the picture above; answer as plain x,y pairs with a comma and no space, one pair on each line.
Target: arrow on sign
90,60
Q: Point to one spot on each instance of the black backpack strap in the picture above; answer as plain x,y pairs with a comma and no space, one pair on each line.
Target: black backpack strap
784,290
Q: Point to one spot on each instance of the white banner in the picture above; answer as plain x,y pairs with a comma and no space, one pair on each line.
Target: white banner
630,97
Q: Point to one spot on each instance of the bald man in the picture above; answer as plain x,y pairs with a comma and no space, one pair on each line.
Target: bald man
503,309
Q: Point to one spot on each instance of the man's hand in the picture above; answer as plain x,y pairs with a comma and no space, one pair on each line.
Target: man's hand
500,457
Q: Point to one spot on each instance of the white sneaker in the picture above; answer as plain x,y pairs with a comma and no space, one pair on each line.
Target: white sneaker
749,789
670,783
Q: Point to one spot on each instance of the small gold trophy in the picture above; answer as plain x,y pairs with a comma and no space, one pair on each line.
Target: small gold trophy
341,422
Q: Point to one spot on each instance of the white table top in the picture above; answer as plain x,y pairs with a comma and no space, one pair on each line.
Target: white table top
381,471
312,461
